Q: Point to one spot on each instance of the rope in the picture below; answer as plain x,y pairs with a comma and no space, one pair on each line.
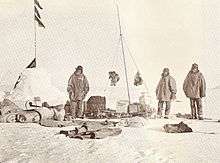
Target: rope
113,63
122,48
129,52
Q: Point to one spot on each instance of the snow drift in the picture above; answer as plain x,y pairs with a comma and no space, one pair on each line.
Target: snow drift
2,95
36,82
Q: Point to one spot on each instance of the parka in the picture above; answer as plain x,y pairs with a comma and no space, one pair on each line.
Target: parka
166,88
194,85
78,87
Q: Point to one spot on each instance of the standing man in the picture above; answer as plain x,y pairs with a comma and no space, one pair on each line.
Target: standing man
78,87
195,89
166,92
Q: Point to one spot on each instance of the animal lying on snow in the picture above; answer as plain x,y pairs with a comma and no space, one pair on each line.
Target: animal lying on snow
177,128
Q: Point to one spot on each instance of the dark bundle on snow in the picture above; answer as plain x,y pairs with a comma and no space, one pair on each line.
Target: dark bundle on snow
177,128
91,130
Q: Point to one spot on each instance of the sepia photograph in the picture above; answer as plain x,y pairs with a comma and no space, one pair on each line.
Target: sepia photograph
109,81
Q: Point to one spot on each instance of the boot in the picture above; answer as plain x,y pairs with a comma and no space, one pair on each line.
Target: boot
193,117
201,118
159,116
166,117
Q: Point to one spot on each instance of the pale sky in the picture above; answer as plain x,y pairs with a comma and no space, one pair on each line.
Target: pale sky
159,33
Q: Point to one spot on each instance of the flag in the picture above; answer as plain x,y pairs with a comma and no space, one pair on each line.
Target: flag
37,16
37,12
38,4
17,81
32,64
39,22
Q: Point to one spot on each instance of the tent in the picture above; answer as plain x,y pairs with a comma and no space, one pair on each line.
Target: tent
36,82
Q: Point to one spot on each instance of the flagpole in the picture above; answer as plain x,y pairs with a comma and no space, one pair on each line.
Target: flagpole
35,37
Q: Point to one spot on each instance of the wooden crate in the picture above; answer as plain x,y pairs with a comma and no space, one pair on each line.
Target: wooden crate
94,105
134,108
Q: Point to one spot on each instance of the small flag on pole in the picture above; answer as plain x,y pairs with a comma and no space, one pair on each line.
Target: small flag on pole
37,12
37,16
33,64
38,4
39,22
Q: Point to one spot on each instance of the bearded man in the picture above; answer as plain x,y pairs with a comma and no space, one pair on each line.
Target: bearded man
165,92
194,87
78,87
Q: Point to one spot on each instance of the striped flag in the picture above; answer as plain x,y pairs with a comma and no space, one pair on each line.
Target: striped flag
37,16
38,4
37,12
33,64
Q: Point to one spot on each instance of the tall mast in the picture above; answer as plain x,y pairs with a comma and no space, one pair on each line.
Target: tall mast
35,37
123,52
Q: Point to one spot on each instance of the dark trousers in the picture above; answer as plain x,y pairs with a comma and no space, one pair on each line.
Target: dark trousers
196,107
76,109
160,107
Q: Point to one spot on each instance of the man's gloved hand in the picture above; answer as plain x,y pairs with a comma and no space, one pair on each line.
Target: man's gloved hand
69,89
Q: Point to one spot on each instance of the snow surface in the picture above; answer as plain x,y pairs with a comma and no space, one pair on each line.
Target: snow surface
2,96
212,104
149,143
